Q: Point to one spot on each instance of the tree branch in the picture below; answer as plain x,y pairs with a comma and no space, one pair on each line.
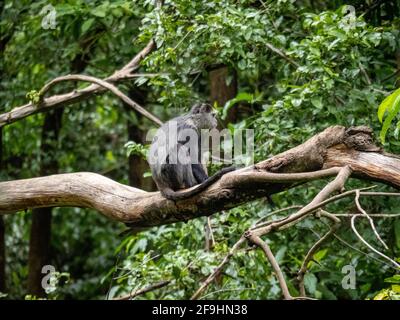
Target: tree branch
271,258
55,101
103,84
315,247
322,156
152,287
368,245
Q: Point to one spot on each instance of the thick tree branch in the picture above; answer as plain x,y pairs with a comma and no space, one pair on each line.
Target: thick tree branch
321,156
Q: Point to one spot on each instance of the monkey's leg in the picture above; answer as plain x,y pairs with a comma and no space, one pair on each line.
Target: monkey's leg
170,177
199,173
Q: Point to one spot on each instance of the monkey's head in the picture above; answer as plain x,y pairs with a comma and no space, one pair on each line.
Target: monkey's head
204,116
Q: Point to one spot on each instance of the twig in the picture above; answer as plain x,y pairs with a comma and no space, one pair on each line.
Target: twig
219,269
102,83
314,248
345,243
357,201
368,245
391,75
365,74
275,266
257,223
209,235
375,215
282,54
144,290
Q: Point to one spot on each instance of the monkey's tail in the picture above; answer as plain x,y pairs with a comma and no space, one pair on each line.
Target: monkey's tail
174,195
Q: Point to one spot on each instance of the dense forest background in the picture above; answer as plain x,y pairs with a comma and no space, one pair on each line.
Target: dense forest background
287,69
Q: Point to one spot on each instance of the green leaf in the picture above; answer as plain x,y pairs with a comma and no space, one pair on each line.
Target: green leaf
318,256
100,11
317,102
397,233
386,104
86,25
394,110
394,279
241,96
310,282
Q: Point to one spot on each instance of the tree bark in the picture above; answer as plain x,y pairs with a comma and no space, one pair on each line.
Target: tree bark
221,91
321,156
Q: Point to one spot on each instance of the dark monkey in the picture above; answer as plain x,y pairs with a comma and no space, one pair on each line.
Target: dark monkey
169,172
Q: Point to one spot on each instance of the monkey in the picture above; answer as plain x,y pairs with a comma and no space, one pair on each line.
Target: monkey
175,158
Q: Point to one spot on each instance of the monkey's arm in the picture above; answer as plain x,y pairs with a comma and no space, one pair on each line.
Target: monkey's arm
199,173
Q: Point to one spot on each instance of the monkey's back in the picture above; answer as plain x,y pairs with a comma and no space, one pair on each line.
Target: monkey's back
166,167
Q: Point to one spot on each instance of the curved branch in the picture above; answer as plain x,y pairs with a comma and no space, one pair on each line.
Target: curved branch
368,245
218,269
55,101
103,84
272,260
321,156
371,222
310,254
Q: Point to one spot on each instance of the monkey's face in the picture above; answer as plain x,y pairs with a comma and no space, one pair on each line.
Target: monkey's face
205,116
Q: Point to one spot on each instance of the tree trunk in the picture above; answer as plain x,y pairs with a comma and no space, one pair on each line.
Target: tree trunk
221,91
39,243
137,165
2,232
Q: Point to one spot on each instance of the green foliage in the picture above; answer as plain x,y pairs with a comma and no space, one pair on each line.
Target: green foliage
391,105
33,96
299,68
133,148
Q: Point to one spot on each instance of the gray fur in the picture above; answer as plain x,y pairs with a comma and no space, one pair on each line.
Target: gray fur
170,177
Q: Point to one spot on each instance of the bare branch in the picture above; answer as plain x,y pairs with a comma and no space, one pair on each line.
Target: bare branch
357,201
368,245
315,247
258,223
271,258
102,83
218,270
145,209
55,101
152,287
335,185
368,255
375,215
282,54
